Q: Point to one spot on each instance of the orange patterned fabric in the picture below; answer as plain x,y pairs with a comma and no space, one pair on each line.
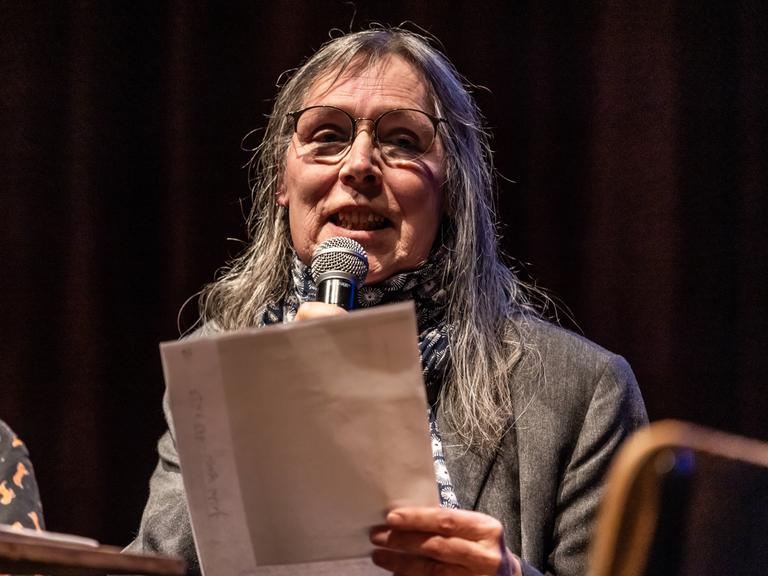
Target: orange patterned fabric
19,498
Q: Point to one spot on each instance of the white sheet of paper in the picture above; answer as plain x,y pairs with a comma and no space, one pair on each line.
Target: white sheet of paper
296,438
203,441
28,536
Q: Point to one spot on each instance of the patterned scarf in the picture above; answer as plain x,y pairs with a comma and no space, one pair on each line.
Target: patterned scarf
424,287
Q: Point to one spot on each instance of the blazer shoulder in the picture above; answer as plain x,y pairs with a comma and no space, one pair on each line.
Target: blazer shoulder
563,353
556,339
563,372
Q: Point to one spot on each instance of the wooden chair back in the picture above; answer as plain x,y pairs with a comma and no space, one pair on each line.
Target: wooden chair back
682,500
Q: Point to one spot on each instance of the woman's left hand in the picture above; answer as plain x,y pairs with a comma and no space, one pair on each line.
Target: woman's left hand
442,542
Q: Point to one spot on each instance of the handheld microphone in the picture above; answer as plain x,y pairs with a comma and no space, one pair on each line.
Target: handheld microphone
339,265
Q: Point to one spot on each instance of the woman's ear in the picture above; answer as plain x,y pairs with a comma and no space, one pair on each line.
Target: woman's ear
281,196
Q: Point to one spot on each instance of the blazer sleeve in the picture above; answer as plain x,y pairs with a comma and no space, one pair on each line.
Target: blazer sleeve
165,526
615,410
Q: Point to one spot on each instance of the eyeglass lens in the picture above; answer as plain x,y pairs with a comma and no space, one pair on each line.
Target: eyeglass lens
327,133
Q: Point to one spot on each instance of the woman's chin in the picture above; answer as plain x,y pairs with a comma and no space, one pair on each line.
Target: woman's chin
376,272
372,279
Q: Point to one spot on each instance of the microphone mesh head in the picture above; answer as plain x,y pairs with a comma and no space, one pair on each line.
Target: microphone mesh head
340,254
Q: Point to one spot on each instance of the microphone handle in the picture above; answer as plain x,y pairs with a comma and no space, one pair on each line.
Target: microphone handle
337,289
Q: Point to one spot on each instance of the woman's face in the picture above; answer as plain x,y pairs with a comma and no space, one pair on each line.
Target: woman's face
392,209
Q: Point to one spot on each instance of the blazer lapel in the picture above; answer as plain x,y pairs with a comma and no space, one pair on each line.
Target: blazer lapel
487,481
469,469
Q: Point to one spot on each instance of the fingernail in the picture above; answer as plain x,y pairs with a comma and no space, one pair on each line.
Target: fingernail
394,519
379,537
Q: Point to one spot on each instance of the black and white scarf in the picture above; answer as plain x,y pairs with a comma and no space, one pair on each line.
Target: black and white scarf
425,287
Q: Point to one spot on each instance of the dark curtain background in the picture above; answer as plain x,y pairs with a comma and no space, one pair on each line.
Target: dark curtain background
630,137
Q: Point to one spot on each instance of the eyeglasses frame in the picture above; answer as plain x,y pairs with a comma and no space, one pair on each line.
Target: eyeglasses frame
436,120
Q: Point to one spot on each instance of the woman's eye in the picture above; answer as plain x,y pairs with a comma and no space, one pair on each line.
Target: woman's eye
407,143
402,141
329,135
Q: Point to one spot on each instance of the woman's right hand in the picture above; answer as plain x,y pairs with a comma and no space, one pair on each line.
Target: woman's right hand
312,310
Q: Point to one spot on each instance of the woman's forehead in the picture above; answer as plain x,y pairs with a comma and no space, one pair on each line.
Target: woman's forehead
391,76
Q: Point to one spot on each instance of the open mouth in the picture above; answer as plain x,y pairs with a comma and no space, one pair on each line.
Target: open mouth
359,220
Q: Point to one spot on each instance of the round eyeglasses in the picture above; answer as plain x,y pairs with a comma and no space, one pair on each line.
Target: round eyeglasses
326,133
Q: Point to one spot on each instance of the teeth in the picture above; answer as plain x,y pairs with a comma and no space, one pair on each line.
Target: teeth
356,220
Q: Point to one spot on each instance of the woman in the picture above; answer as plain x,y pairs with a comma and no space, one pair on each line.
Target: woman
376,138
19,499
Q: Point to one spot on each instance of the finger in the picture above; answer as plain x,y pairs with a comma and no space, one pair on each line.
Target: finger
311,310
477,557
402,564
447,522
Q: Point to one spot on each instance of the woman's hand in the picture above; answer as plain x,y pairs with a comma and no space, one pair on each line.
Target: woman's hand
442,542
311,310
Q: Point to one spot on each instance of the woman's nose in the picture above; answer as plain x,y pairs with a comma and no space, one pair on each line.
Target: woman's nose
359,167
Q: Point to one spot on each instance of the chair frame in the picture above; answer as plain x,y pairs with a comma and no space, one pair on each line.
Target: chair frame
627,517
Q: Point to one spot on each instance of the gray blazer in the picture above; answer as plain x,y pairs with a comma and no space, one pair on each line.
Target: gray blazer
574,404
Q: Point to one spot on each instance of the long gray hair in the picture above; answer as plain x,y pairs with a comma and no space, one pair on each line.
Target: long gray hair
483,292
